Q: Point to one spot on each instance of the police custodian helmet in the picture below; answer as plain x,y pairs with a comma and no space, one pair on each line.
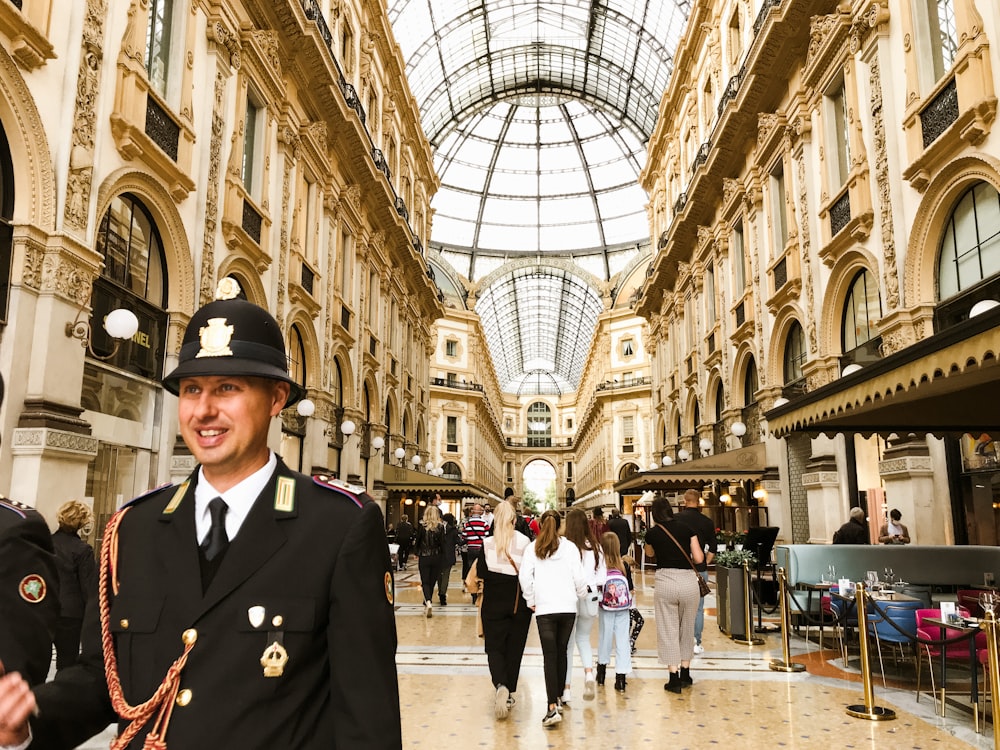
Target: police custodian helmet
231,336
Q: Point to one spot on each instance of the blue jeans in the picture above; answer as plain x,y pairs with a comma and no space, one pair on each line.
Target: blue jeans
615,626
699,620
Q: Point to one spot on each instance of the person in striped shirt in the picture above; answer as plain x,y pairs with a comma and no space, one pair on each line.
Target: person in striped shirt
474,531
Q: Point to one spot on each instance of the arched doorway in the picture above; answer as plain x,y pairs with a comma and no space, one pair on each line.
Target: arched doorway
538,481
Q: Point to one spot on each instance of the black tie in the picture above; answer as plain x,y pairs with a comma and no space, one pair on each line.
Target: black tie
217,540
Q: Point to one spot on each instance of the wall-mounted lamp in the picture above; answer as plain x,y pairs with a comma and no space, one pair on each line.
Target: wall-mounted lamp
415,460
779,401
408,501
738,429
760,495
725,498
400,454
666,460
654,466
429,466
305,408
851,369
423,503
982,306
121,325
378,442
683,455
347,427
706,446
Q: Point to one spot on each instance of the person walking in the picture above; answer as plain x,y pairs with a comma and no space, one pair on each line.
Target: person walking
77,578
702,526
676,592
623,529
617,599
505,614
404,538
474,532
450,556
430,549
552,580
251,606
580,533
597,524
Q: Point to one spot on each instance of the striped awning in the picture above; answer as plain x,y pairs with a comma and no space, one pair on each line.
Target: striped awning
400,479
944,384
732,466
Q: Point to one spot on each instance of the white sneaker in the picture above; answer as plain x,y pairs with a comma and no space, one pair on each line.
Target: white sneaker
699,649
428,611
501,703
566,697
589,688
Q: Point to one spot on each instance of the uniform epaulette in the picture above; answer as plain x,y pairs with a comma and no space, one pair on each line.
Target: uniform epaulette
15,507
351,491
146,495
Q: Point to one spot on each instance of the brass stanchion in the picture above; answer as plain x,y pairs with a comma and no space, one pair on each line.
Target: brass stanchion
868,710
786,664
751,639
990,623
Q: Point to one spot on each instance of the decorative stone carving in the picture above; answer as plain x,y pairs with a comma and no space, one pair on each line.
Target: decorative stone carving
81,162
31,271
289,138
283,243
806,259
267,41
353,195
766,123
227,40
206,293
730,187
882,180
317,131
820,27
68,280
134,38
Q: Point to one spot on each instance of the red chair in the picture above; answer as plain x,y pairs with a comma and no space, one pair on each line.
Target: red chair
969,598
958,650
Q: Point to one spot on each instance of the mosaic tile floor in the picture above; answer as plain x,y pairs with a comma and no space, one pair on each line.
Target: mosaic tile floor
447,699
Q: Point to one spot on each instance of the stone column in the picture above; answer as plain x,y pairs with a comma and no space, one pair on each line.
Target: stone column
907,471
826,511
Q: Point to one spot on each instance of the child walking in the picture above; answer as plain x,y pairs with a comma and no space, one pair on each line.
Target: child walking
618,595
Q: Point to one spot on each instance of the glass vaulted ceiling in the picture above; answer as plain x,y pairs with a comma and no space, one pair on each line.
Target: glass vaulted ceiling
538,114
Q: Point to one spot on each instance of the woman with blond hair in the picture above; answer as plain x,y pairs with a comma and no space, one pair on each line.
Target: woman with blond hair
581,533
77,578
506,615
552,579
430,552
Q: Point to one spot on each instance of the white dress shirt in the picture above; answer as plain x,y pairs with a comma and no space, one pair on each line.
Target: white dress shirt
239,498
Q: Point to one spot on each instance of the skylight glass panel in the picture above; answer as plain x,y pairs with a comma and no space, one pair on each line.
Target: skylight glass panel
457,203
506,237
454,231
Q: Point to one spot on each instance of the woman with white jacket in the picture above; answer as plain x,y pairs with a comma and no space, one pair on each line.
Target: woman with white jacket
552,581
595,572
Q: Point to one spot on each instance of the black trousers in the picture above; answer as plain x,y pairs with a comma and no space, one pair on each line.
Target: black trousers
67,641
505,636
430,573
553,633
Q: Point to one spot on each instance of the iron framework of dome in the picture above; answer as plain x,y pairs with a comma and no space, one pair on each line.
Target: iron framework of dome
538,114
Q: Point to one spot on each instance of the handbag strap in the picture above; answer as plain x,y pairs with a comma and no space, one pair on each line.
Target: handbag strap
683,551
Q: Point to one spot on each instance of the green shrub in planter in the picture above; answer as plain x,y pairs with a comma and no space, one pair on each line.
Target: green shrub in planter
734,558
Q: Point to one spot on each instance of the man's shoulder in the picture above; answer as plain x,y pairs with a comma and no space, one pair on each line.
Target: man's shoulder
24,522
337,489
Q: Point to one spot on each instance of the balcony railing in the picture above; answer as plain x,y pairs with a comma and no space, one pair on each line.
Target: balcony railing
840,213
614,385
702,156
780,274
939,114
679,204
401,209
732,90
161,128
762,15
308,278
252,221
460,385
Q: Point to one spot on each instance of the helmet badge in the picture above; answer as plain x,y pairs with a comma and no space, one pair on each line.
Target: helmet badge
215,338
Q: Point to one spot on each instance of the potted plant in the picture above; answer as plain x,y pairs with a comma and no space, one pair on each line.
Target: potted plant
731,589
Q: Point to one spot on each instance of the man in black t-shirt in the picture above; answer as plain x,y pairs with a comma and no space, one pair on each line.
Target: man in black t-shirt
702,526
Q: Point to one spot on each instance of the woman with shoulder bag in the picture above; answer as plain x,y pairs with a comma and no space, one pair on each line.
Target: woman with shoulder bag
430,551
506,617
581,533
552,579
677,592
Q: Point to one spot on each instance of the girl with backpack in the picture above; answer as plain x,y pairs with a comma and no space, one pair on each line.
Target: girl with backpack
616,601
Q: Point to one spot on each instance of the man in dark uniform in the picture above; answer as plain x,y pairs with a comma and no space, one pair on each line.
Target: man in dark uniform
702,527
29,596
259,598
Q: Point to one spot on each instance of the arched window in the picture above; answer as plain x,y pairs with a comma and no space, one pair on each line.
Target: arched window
720,403
133,276
336,384
539,425
627,471
296,356
970,254
750,384
795,353
862,311
451,470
